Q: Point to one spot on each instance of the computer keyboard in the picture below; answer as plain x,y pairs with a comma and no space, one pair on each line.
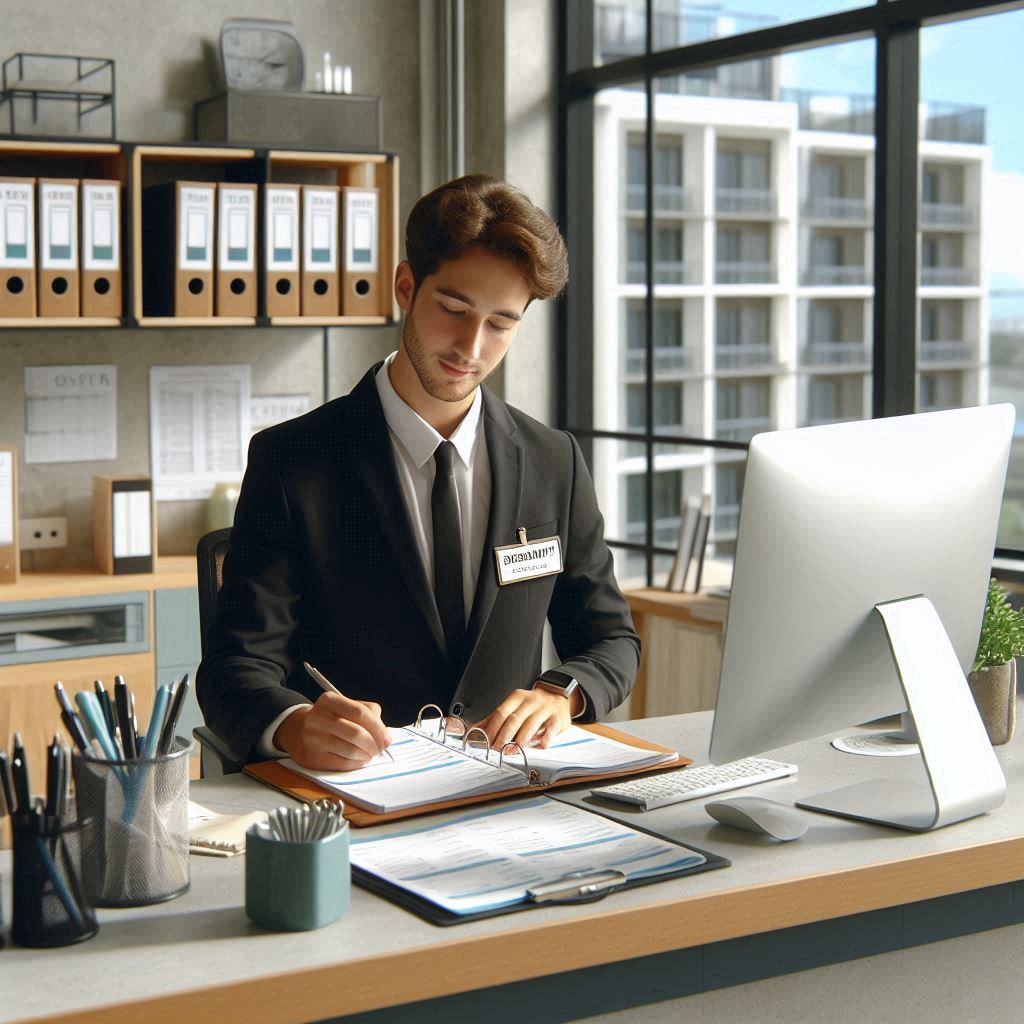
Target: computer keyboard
650,791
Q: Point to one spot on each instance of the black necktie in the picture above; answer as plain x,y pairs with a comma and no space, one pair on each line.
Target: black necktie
444,508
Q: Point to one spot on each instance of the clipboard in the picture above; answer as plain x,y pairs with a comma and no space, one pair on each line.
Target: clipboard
570,890
277,776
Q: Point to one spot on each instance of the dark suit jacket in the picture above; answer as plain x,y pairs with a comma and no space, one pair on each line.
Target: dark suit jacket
323,567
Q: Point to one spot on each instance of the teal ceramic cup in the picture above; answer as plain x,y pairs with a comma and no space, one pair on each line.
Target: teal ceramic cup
296,886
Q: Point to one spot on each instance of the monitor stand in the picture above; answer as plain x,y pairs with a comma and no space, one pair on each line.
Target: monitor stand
964,777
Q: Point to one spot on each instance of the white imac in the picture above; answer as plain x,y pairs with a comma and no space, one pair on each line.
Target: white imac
862,564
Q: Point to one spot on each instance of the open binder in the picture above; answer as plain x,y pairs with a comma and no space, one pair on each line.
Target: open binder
486,863
507,773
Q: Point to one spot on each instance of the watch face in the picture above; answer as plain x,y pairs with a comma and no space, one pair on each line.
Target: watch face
265,55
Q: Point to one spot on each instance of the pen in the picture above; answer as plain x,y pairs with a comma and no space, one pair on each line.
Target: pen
5,782
173,714
328,687
90,708
70,718
54,780
19,771
106,705
124,719
149,747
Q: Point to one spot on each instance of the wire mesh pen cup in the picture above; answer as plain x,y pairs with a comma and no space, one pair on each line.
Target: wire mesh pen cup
50,907
134,818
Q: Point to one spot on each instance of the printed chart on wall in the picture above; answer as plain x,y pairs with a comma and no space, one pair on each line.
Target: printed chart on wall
198,429
70,413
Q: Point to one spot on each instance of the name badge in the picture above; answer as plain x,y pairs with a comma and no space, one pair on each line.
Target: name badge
528,560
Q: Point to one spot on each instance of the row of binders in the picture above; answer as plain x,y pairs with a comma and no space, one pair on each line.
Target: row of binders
321,249
688,566
60,248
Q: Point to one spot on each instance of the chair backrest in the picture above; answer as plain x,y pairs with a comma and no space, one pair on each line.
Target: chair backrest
210,554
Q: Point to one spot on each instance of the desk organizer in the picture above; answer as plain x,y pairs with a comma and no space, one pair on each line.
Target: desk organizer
134,818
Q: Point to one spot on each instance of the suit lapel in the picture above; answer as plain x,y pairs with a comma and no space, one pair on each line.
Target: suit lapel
375,468
506,458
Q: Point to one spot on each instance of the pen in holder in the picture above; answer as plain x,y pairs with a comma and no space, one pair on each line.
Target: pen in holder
134,818
297,874
49,907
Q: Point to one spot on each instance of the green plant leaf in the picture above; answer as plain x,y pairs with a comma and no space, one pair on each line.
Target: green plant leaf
1002,630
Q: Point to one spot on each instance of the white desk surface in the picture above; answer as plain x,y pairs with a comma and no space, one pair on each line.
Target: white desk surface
199,954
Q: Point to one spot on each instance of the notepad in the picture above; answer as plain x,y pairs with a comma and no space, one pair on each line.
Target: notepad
219,835
429,768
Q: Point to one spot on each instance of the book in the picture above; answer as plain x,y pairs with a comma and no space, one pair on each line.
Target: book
684,549
514,857
700,543
219,835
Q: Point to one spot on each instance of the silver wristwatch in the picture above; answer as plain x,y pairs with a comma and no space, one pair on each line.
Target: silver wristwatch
557,682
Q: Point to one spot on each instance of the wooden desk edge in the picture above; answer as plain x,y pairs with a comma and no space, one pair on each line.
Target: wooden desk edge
524,951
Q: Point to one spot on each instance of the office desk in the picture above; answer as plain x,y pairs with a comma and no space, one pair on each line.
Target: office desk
198,958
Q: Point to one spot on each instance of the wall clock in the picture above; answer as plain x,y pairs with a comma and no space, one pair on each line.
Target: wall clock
259,53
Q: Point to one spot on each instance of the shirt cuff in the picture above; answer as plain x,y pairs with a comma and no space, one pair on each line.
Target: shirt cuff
586,704
266,747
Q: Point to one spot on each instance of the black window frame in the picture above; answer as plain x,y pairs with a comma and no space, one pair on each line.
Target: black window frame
895,26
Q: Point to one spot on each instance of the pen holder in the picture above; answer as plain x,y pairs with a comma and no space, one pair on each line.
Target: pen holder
50,907
296,886
134,817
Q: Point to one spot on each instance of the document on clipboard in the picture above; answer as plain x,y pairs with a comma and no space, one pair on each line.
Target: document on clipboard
514,857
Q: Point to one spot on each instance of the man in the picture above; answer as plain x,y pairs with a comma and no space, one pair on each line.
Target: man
370,533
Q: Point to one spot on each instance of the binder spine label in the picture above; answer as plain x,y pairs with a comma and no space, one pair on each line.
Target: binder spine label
17,225
101,228
59,234
320,231
237,224
195,228
7,498
360,230
282,212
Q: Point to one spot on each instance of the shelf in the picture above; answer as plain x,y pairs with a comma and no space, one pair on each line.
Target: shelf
171,572
329,321
42,322
22,147
197,321
311,158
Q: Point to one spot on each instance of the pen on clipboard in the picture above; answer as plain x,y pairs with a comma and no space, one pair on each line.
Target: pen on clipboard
328,687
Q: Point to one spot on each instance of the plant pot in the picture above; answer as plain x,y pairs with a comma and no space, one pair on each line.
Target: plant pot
995,693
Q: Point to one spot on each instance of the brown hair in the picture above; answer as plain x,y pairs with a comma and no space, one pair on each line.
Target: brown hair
478,210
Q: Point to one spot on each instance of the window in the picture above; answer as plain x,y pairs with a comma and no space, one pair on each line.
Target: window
788,246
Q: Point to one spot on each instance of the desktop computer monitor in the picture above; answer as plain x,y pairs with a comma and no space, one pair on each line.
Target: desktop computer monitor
862,564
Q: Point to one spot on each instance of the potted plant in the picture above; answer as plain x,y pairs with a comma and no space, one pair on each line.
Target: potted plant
993,677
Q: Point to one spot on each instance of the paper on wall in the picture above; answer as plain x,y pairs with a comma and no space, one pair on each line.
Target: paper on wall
270,409
70,413
198,428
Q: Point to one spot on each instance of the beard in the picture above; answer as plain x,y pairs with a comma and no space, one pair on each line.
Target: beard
432,378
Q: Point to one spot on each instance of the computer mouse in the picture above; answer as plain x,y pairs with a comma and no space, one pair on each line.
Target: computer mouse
758,814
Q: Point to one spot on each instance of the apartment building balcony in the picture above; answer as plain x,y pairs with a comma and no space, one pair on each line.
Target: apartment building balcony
666,531
831,112
638,449
665,272
741,429
668,359
837,354
945,352
746,272
837,274
822,420
726,521
667,199
948,215
954,122
743,357
745,202
838,208
947,277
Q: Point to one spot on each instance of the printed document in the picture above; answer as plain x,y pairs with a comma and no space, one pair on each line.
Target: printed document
70,413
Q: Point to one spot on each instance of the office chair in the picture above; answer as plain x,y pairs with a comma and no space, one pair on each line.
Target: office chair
214,756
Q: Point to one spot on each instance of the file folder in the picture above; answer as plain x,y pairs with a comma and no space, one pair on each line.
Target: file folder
360,274
58,247
281,238
17,247
101,248
177,249
124,536
320,250
8,514
236,250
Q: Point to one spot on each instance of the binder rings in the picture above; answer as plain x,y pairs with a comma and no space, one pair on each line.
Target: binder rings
281,240
17,247
236,250
360,274
483,864
319,250
124,538
101,248
58,247
177,249
8,514
279,776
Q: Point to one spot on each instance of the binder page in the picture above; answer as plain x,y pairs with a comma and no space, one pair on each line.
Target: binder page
578,752
491,858
423,772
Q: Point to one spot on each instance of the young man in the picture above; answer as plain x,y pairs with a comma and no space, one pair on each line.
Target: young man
368,532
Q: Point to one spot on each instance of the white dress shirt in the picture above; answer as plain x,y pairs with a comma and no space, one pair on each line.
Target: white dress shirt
414,442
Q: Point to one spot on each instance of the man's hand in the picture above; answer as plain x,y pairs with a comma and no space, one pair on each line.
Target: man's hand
529,717
334,734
